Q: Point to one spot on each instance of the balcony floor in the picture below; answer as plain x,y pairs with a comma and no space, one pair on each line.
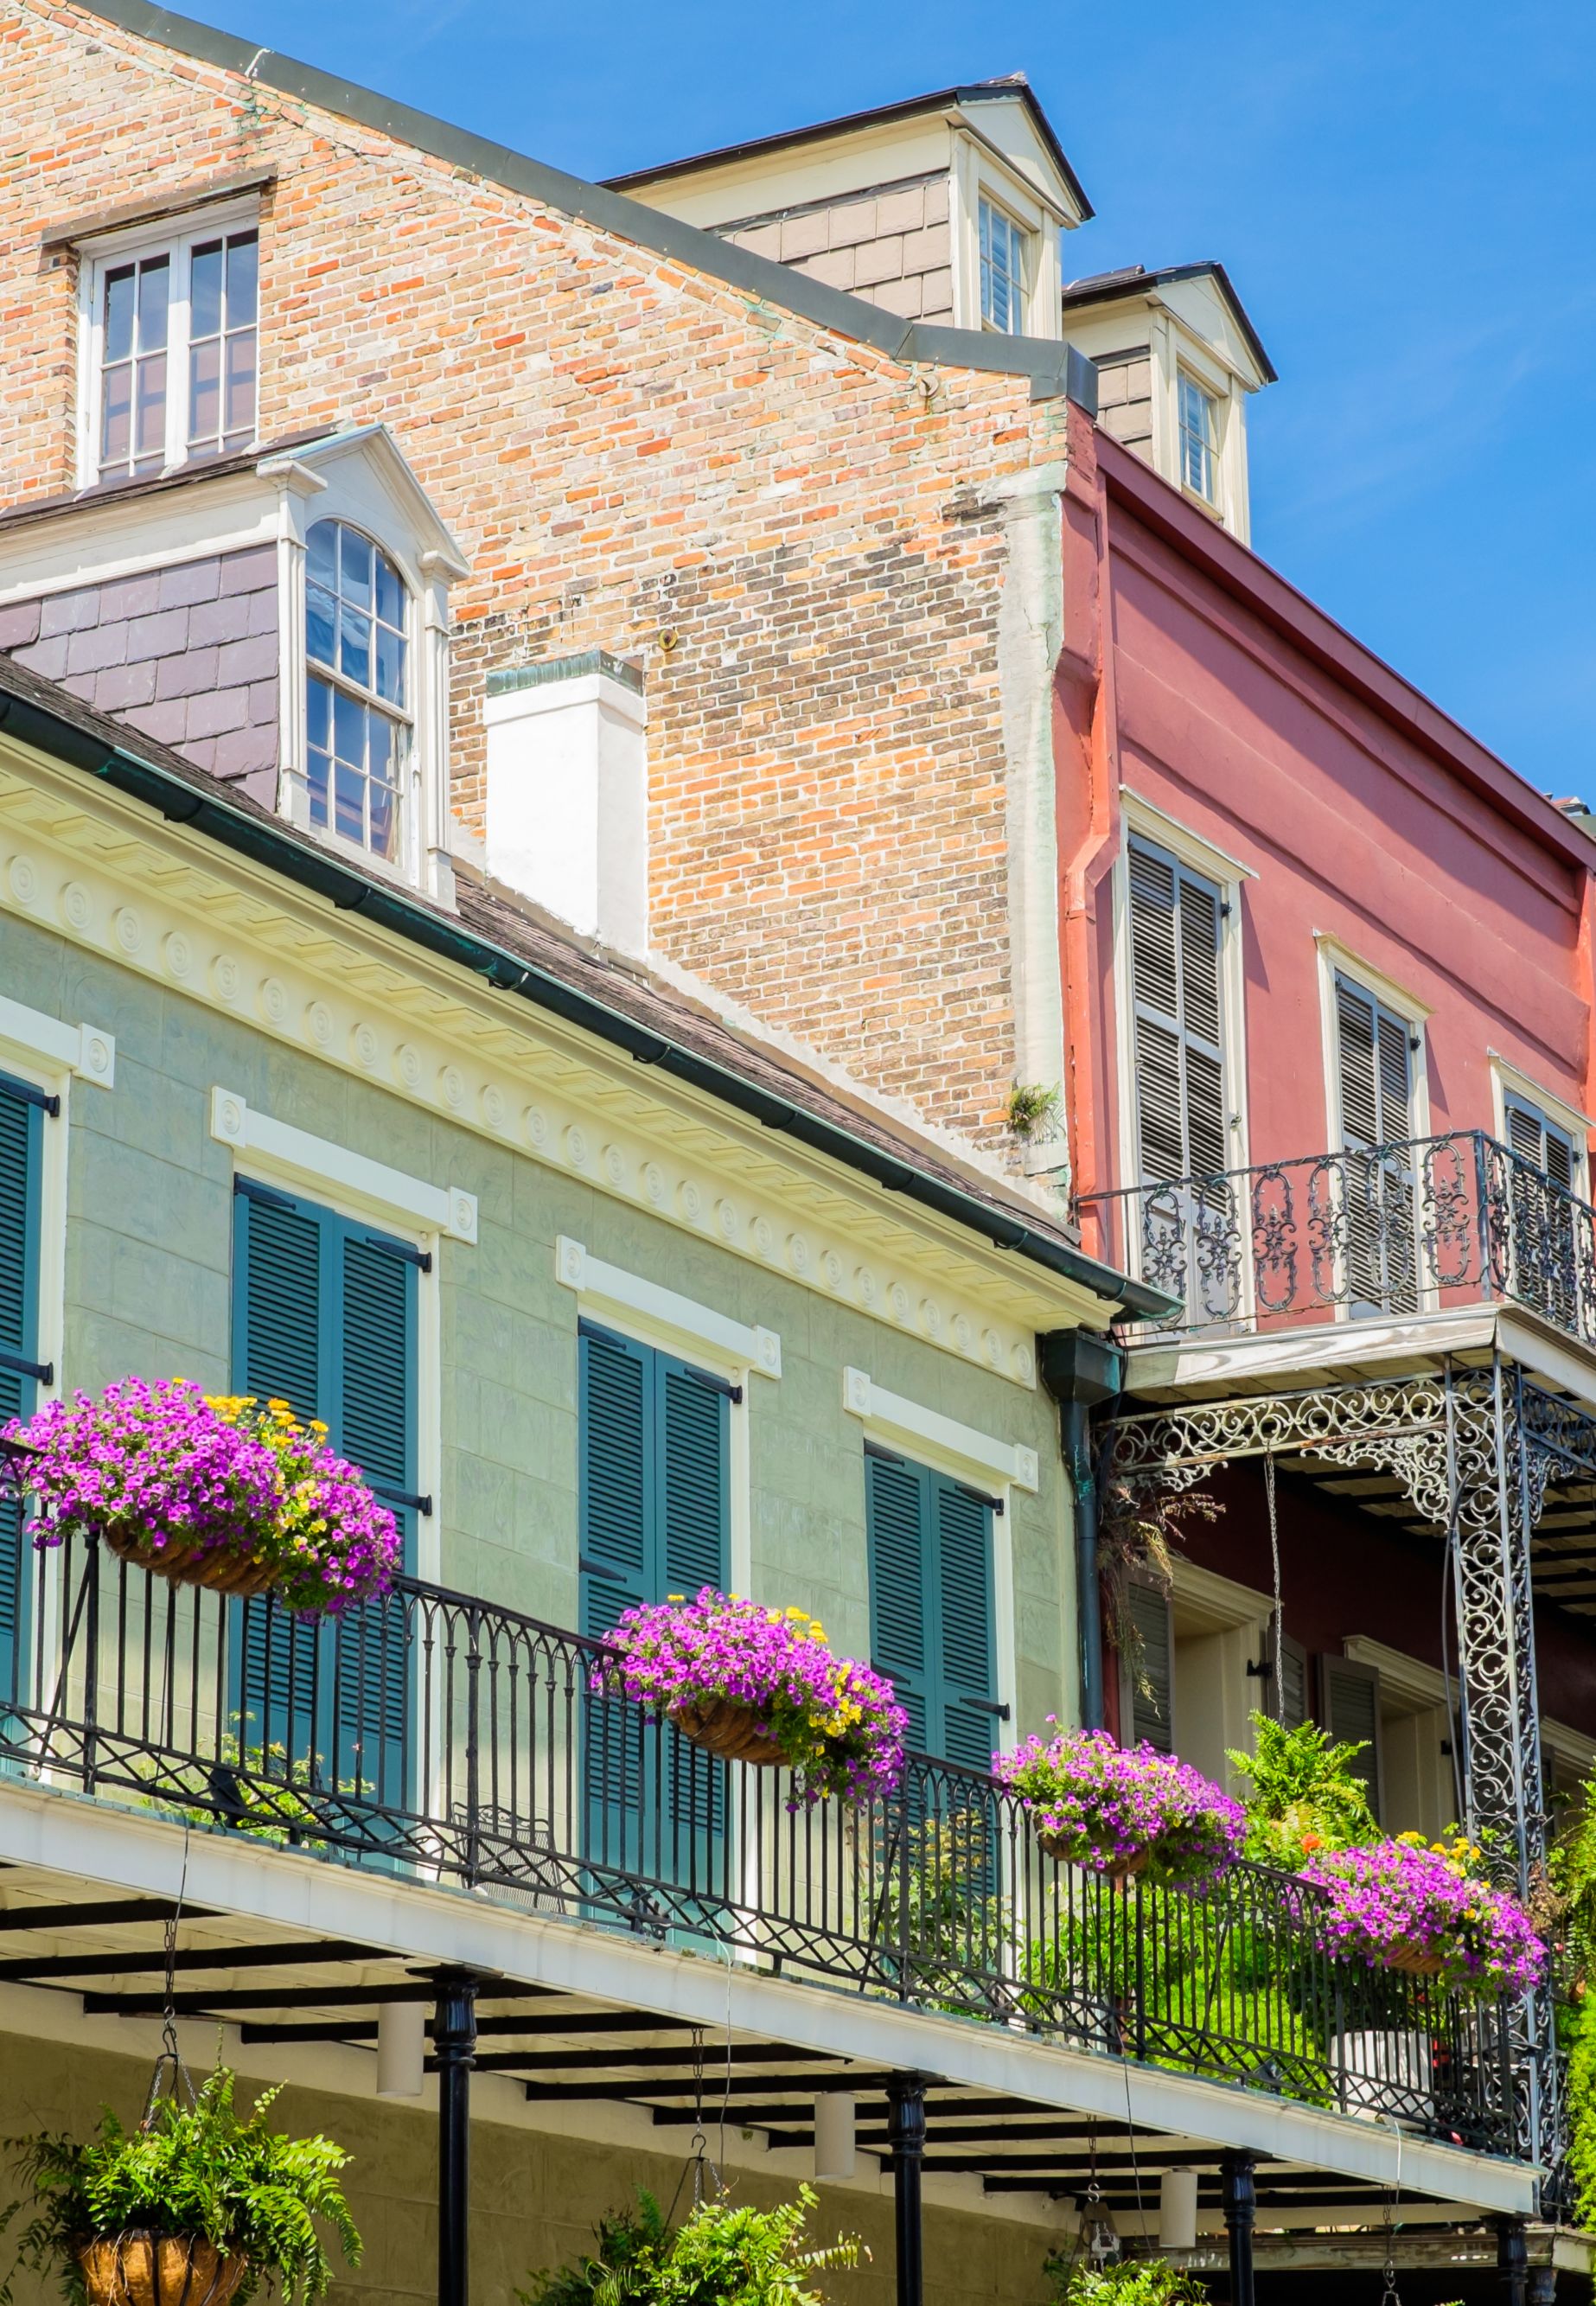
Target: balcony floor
297,1950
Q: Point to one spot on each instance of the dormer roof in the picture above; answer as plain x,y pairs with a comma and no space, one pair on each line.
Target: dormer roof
1134,280
976,102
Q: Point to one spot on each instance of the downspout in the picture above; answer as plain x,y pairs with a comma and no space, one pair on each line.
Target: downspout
1082,1371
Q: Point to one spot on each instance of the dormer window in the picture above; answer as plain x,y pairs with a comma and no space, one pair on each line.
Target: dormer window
171,342
1200,440
357,718
1003,270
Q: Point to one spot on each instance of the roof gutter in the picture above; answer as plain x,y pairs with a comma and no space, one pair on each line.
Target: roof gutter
267,843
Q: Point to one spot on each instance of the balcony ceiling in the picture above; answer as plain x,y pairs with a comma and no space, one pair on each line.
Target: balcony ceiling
105,1957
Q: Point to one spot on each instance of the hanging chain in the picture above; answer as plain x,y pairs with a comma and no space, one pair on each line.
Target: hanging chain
1389,2295
1279,1676
168,2065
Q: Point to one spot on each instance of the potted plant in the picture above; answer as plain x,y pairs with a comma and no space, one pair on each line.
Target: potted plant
760,1686
1079,2280
223,1491
1123,1810
195,2207
1417,1907
726,2254
1303,1794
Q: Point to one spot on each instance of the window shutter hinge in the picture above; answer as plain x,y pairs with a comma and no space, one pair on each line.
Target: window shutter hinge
251,1191
992,1505
421,1259
410,1498
43,1372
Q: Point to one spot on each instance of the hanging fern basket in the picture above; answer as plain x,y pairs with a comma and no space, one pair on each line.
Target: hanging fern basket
151,2269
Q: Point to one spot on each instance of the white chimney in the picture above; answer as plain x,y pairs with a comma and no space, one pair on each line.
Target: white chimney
567,792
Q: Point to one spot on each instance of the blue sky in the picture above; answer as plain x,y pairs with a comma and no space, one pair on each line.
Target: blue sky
1405,191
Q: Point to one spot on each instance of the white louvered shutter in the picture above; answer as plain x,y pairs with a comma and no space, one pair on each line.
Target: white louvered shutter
1175,919
1543,1182
1375,1073
1376,1067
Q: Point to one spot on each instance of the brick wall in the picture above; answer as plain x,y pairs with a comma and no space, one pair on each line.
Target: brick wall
187,653
889,242
625,448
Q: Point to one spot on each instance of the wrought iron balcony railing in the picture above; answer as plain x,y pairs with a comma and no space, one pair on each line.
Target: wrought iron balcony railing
434,1735
1396,1230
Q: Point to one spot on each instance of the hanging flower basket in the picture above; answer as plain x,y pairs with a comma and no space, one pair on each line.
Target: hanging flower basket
1123,1811
1411,1907
760,1687
157,2269
737,1733
222,1491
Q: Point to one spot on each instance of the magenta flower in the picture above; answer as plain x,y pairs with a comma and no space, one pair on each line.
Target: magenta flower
1399,1902
1122,1809
164,1470
835,1721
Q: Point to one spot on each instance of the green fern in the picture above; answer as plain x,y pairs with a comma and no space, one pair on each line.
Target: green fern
191,2170
726,2254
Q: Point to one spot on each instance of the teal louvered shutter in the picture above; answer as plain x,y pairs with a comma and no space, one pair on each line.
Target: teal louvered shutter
967,1659
372,1424
932,1630
895,1516
22,1137
615,1517
279,1352
694,1422
325,1316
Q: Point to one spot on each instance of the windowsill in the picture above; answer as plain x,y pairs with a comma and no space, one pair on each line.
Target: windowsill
1203,503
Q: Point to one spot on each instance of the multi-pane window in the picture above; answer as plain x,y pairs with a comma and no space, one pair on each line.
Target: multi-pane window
1200,440
1003,270
357,701
174,353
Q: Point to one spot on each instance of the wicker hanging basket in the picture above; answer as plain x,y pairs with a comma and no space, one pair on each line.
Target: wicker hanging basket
219,1571
149,2269
1122,1869
736,1732
1414,1960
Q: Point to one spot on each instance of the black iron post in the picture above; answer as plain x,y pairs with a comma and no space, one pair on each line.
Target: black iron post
1513,2261
1241,2207
906,2135
453,2050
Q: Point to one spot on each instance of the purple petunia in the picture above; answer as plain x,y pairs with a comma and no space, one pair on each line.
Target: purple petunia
163,1470
1118,1808
1400,1898
836,1722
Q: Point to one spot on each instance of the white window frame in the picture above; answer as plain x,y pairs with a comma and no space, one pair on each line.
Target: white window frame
1174,350
178,236
1144,820
981,1461
981,171
1187,380
653,1315
1507,1080
1020,244
278,1153
407,787
50,1055
1337,960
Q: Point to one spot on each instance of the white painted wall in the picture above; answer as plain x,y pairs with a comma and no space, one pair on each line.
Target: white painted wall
568,803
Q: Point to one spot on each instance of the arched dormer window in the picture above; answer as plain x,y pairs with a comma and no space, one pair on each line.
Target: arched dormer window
358,712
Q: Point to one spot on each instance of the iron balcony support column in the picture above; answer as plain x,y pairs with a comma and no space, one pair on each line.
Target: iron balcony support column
906,2137
453,2048
1239,2196
1513,2262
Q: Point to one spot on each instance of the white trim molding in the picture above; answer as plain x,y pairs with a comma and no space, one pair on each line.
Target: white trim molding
1145,816
320,1165
942,1441
680,1322
84,1051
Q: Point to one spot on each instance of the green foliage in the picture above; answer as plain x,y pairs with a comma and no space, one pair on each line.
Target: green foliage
1304,1795
1213,1994
726,2254
1125,2282
935,1912
631,2246
1579,2040
1033,1109
191,2170
1565,1915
